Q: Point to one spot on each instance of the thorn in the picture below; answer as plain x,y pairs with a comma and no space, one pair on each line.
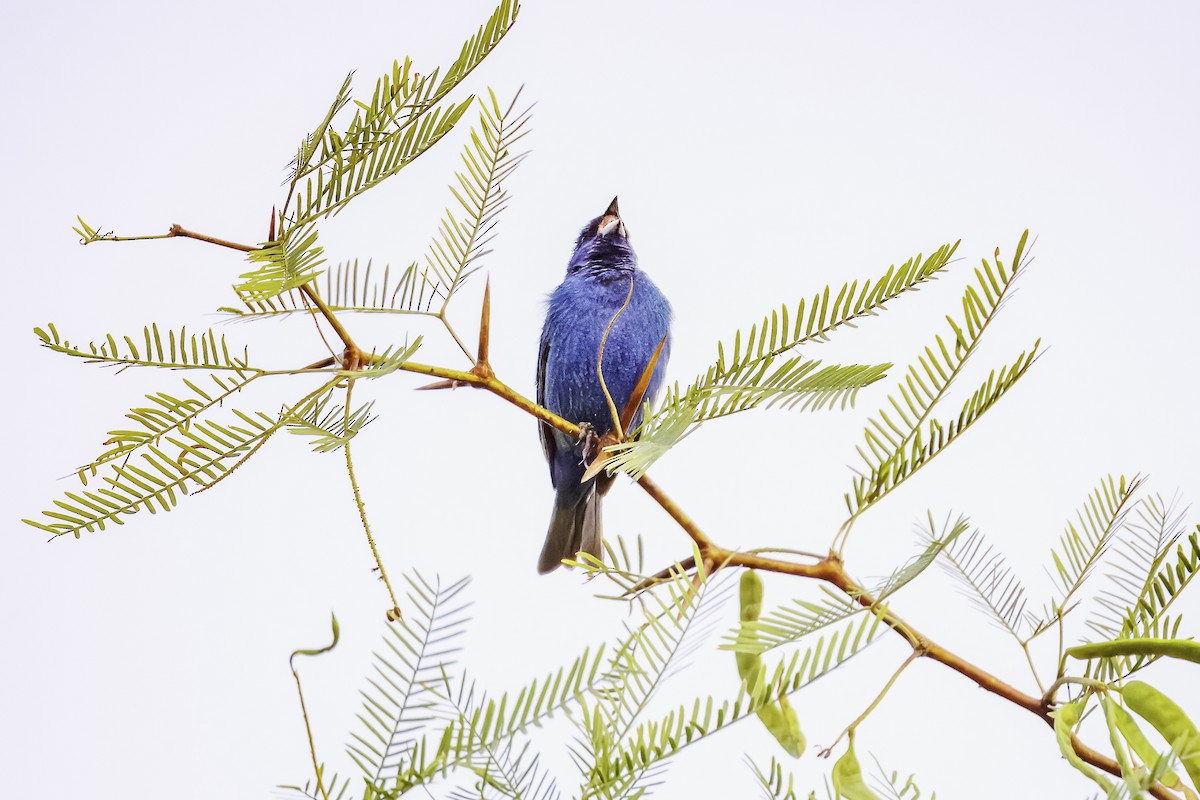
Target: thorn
271,231
485,323
595,468
439,385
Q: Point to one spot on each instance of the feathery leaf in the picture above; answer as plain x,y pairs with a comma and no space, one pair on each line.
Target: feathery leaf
420,652
479,190
189,458
167,414
985,579
1085,541
904,436
166,348
401,122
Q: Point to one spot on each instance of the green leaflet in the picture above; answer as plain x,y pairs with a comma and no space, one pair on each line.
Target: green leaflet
403,120
330,427
1145,544
772,781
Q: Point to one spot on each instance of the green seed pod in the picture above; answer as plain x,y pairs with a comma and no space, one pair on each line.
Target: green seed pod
847,777
1185,649
1118,743
791,738
1065,718
780,720
1168,719
751,595
750,666
1140,745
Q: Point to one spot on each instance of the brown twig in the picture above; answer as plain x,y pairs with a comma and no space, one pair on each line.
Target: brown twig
352,358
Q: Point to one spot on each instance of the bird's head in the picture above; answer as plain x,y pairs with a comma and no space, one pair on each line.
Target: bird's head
604,243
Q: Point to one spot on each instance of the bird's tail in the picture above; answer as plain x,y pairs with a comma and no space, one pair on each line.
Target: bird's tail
574,527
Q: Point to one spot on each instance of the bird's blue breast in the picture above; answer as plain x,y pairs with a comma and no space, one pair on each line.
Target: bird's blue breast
578,313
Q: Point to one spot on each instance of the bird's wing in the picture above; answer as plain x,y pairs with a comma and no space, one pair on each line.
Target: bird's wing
545,431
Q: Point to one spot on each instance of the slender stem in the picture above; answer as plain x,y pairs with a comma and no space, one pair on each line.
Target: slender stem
312,749
913,656
612,407
1029,660
1048,697
394,613
786,551
453,333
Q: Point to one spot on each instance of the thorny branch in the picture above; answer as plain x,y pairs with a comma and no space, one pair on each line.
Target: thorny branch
828,569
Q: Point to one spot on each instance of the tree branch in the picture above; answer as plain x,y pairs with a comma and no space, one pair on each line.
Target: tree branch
828,569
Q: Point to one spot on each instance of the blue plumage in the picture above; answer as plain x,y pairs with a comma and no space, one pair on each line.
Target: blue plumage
596,286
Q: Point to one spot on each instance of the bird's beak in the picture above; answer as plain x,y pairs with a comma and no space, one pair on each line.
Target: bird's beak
611,221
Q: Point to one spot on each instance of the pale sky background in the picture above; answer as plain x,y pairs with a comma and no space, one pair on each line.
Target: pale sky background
760,151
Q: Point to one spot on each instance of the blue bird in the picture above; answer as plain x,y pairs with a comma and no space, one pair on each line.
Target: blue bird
595,288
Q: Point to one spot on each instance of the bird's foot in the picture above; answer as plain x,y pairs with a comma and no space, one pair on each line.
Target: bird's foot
589,442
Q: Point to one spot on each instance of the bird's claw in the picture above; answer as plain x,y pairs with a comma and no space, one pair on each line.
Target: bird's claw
589,442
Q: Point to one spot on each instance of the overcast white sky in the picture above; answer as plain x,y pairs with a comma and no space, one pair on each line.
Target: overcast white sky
760,151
